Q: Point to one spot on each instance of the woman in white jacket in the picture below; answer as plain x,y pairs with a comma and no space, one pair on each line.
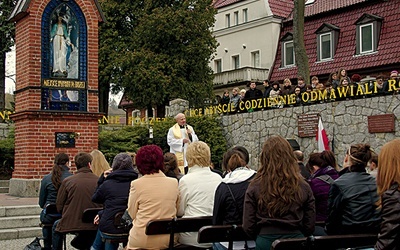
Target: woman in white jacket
197,189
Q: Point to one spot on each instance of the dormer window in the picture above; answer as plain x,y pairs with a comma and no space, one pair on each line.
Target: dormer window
288,57
367,33
327,39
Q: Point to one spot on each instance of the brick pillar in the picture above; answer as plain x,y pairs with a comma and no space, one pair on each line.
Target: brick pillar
36,125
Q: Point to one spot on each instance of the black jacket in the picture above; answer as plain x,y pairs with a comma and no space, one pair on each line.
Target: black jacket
226,211
113,193
389,236
48,193
352,205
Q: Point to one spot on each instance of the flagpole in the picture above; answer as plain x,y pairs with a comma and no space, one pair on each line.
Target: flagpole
333,140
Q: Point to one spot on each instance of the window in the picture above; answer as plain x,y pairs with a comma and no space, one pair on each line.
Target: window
235,62
245,15
255,58
368,33
287,50
236,17
366,38
327,39
288,53
218,66
228,20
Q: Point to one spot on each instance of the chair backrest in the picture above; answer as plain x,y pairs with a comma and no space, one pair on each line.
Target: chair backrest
326,242
177,225
222,233
89,214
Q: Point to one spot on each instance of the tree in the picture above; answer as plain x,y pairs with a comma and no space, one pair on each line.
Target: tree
158,50
303,68
7,34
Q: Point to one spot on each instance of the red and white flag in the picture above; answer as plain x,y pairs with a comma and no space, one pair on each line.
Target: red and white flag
322,138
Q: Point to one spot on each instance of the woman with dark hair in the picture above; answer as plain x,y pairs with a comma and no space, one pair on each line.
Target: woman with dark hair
353,196
323,175
48,193
152,196
171,166
229,196
278,202
112,191
388,181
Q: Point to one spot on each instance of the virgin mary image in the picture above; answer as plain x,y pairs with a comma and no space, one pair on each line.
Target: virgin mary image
61,42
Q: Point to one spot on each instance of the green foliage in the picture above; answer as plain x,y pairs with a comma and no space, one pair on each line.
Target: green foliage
7,149
113,142
130,139
158,50
7,29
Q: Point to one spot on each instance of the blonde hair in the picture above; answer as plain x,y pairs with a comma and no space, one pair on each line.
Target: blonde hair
287,80
388,166
99,163
198,153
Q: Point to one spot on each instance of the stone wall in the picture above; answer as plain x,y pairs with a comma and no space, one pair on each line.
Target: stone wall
4,130
345,122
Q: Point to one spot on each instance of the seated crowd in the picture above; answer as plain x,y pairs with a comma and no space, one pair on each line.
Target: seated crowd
283,199
346,87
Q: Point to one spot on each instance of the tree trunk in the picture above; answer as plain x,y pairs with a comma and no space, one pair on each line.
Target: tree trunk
2,81
104,95
303,68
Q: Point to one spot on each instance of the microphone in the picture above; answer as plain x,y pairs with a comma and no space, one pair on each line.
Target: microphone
189,134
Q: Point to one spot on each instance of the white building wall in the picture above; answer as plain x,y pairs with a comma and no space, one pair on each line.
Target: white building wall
259,33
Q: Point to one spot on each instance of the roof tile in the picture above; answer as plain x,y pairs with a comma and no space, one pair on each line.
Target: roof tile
387,51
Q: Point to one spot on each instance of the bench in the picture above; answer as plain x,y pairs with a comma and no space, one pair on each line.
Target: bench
329,242
222,233
176,225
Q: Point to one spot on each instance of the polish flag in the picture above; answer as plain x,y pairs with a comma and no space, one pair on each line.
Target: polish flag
322,138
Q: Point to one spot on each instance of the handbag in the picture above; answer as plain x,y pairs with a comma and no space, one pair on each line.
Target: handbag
125,221
34,245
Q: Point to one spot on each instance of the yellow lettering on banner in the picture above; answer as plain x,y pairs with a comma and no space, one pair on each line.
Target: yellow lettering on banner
314,95
351,90
259,103
247,104
292,99
305,96
105,120
283,99
360,90
137,120
253,104
269,102
392,84
130,119
224,108
367,91
200,111
206,112
219,109
265,102
151,120
187,113
322,95
241,106
342,91
158,119
375,88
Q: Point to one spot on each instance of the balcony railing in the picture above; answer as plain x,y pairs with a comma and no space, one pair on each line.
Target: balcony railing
246,74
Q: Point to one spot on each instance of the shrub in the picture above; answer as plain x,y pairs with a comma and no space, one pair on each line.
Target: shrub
7,150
